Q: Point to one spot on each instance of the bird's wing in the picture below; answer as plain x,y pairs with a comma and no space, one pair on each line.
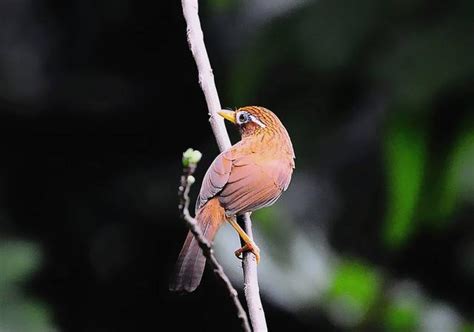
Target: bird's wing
244,181
215,178
280,170
253,183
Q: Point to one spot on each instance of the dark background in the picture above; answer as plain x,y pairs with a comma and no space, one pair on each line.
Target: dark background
98,99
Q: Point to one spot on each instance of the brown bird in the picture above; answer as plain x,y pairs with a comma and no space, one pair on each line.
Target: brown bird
248,176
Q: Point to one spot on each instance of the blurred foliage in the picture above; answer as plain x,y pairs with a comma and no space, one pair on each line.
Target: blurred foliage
222,5
401,317
406,160
271,223
454,185
459,183
18,260
403,311
18,312
323,60
468,327
327,37
354,290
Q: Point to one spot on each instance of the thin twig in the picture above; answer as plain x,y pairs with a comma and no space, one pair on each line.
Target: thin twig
208,86
183,193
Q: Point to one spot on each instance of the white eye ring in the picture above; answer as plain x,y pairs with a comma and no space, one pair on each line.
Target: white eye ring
242,117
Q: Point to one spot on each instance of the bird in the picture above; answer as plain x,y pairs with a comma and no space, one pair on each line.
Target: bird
248,176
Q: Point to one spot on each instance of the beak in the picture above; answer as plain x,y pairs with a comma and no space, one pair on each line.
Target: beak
228,115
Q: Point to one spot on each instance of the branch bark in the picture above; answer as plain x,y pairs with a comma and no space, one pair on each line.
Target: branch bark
251,288
206,77
208,86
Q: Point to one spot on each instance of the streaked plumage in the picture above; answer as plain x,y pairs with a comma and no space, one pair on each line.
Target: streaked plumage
250,175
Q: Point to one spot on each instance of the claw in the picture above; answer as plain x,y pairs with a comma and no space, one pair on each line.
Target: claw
252,247
249,244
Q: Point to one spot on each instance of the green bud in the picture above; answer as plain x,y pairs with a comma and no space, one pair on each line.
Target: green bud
191,180
196,157
191,157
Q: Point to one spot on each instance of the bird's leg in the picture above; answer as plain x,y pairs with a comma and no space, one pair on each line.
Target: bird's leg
249,244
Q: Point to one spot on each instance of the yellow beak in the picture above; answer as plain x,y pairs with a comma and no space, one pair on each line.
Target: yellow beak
228,115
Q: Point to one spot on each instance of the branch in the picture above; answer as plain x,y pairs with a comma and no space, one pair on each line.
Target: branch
251,289
183,192
206,77
208,86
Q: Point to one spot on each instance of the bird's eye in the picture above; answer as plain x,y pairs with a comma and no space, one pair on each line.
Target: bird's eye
243,117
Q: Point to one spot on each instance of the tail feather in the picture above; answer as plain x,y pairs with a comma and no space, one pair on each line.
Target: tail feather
191,262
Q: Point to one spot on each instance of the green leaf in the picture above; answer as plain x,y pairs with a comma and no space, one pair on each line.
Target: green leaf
406,153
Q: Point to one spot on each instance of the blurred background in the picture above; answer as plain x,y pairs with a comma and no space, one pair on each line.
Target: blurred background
98,99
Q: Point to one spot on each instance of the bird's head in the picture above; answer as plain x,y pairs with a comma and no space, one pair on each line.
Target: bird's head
262,124
252,120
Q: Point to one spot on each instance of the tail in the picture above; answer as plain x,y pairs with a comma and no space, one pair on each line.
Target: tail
191,262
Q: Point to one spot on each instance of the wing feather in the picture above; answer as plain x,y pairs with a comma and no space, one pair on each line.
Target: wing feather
215,179
244,181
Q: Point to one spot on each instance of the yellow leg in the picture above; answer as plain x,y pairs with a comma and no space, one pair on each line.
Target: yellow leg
249,244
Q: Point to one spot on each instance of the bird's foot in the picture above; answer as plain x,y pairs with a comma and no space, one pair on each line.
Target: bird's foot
249,246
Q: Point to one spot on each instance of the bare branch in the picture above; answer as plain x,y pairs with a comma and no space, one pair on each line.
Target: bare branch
183,193
208,86
206,77
251,288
